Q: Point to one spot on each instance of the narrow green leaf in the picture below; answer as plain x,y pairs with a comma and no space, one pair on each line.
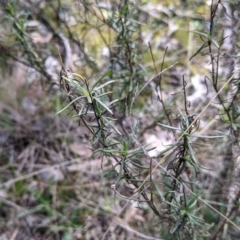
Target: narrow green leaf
134,132
170,204
198,51
114,101
76,84
192,202
175,228
207,137
97,137
169,127
80,111
138,165
174,149
208,37
158,191
109,150
112,125
104,105
234,111
120,172
82,90
78,75
70,104
104,75
10,9
215,43
125,147
103,85
103,94
123,11
85,93
201,33
234,126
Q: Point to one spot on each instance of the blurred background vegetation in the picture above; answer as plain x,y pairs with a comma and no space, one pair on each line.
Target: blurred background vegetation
52,186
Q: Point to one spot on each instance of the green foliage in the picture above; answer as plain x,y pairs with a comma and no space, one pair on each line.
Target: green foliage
114,99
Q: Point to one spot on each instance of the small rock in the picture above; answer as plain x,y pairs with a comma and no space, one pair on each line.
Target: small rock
54,175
